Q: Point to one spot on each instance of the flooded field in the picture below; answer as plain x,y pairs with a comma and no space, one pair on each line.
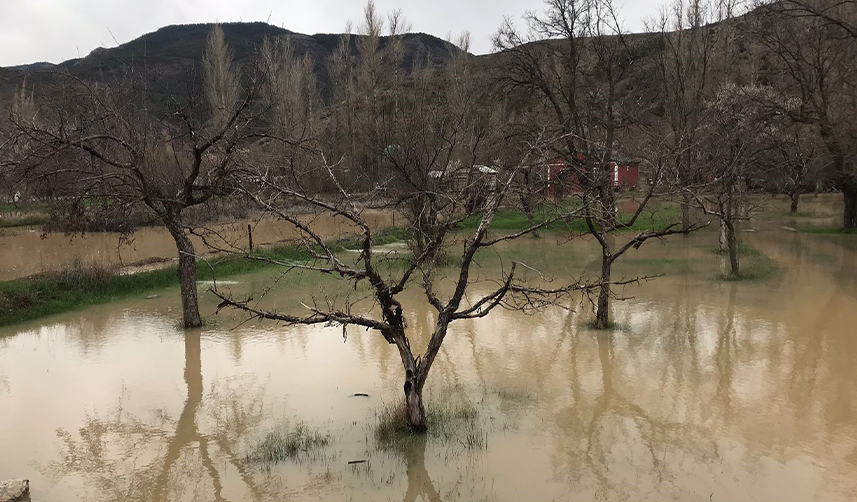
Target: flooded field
27,251
705,391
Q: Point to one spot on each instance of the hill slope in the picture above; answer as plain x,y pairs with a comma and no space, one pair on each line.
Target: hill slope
173,53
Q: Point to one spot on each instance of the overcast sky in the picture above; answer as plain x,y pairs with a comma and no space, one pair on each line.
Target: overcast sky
56,30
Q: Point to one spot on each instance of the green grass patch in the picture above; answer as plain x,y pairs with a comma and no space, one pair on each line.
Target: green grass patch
46,294
284,443
516,220
841,236
90,284
24,207
449,421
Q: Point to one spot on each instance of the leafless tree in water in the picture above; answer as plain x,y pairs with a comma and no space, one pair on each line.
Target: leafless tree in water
113,148
574,62
423,133
739,120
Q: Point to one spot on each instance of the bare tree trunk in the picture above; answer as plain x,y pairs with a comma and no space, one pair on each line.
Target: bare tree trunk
732,242
602,314
186,272
795,197
685,212
608,206
416,410
414,402
527,199
849,193
722,240
529,212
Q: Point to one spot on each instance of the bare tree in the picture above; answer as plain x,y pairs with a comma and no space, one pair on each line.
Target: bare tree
380,310
113,148
792,163
362,84
735,146
572,63
686,73
289,91
423,130
810,47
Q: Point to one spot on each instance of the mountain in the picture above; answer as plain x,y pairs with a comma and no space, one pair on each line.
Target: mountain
40,66
171,57
173,53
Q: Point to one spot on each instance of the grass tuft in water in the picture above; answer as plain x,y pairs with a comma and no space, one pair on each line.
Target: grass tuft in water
611,326
449,422
283,444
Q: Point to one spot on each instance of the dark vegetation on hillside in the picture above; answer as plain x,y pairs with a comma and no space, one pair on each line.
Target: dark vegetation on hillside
174,53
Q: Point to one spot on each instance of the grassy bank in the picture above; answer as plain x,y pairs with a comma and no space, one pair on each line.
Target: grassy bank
515,220
85,284
23,215
23,221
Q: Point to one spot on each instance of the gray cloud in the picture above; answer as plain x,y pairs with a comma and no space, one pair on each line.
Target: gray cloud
56,30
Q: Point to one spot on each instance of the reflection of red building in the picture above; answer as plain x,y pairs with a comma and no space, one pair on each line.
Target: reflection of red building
562,175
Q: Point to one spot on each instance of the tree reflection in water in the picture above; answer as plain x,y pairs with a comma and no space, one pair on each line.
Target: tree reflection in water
612,447
125,458
419,482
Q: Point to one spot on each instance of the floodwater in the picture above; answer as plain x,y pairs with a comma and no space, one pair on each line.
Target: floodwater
28,251
705,391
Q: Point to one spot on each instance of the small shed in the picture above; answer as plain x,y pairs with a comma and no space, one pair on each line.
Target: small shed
462,178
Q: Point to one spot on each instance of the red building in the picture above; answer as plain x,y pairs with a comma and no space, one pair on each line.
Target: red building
626,174
561,175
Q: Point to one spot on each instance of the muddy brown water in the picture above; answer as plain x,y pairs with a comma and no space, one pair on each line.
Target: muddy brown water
28,251
705,391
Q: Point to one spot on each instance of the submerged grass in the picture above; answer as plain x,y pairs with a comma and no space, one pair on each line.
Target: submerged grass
754,265
830,230
91,284
611,326
448,421
284,444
